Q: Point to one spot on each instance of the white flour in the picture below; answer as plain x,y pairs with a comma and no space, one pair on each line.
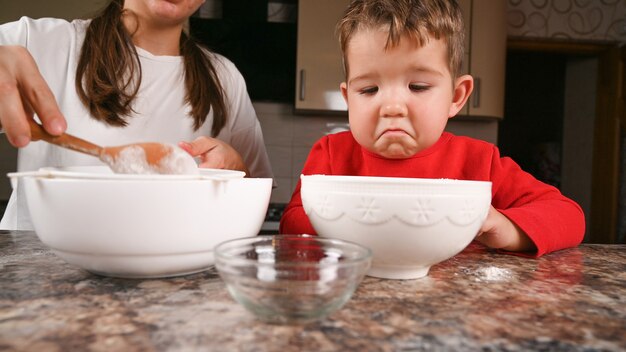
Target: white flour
492,273
132,160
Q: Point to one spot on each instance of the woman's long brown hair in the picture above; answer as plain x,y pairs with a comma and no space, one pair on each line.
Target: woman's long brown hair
108,75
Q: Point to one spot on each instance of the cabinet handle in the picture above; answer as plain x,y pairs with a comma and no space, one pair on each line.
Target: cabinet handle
302,84
476,94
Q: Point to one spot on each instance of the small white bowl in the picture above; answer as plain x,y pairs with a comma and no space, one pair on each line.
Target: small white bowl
142,227
409,224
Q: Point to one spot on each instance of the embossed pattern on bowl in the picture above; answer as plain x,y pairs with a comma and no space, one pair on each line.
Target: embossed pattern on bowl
410,224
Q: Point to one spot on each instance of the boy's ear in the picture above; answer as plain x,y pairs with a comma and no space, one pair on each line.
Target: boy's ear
463,87
344,91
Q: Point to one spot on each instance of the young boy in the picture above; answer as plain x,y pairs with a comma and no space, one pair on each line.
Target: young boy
402,61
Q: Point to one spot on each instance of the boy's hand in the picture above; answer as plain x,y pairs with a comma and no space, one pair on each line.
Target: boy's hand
501,233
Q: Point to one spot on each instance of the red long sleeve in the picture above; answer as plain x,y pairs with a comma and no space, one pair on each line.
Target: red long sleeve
551,220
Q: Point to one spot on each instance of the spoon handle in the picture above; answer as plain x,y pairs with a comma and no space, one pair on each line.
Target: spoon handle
64,140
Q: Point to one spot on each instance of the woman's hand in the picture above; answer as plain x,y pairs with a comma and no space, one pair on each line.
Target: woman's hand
500,232
23,91
214,153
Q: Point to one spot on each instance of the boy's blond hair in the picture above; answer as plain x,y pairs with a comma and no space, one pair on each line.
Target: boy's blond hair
414,19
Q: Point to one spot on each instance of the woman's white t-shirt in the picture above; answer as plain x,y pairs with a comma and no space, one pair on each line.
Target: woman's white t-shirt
161,114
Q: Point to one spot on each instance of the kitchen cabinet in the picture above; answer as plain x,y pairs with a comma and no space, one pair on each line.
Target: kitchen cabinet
319,69
485,56
258,36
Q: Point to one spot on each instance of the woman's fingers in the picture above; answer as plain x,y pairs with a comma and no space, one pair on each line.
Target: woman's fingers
23,91
214,153
199,146
12,113
39,96
205,149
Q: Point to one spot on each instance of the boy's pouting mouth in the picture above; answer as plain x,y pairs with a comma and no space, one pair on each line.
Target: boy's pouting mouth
396,142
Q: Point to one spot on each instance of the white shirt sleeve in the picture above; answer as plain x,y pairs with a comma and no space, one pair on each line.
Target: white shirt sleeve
14,33
242,130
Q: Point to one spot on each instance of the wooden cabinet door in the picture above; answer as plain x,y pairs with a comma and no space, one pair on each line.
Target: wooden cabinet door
485,59
319,69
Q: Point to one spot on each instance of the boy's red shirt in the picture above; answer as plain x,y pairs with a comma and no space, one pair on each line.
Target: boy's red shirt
551,220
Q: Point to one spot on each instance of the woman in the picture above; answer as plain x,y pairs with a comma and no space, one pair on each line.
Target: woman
129,75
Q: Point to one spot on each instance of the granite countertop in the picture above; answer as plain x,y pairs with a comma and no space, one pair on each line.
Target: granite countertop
571,300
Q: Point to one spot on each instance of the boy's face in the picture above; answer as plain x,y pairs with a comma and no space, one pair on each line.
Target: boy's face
399,99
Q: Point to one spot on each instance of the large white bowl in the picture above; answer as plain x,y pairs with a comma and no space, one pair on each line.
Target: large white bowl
409,224
142,227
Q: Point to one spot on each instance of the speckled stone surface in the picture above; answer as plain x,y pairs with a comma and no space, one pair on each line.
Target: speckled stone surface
572,300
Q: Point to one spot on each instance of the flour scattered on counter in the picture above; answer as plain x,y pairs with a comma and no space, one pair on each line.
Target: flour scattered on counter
492,273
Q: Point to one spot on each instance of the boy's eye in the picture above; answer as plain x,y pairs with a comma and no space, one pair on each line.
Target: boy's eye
417,87
368,90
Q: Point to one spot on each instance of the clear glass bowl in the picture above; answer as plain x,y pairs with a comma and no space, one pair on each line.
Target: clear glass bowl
291,278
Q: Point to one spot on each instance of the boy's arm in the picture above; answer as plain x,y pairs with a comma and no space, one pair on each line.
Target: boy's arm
294,219
549,219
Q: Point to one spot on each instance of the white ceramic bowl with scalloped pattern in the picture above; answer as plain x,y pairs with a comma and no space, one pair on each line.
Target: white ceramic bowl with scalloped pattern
409,224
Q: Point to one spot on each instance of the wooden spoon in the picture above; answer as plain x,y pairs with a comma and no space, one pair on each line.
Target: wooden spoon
140,158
